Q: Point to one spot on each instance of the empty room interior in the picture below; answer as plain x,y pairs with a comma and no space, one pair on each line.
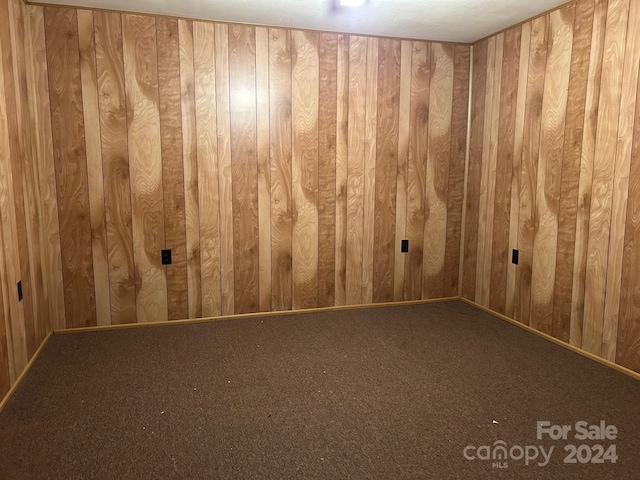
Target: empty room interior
319,239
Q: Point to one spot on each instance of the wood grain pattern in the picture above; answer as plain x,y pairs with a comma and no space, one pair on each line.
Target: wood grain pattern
225,177
91,113
304,171
342,154
280,157
570,175
603,172
5,317
474,174
207,168
416,168
529,167
554,107
355,168
190,159
620,185
402,181
172,166
586,172
45,167
504,165
389,57
115,165
264,180
63,61
244,167
457,155
369,170
327,132
145,160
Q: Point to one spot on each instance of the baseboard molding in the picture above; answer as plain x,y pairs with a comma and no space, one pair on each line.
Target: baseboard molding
568,346
26,369
252,315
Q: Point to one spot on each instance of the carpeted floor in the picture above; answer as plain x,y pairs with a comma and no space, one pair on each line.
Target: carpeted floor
386,393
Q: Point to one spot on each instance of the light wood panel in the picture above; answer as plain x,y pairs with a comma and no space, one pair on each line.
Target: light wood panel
207,169
576,133
145,165
304,171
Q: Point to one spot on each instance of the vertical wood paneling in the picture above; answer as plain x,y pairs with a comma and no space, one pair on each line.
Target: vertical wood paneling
570,175
91,112
63,59
225,177
403,179
529,167
145,157
207,167
457,152
620,185
172,165
418,124
554,106
586,172
264,180
355,167
437,176
603,172
190,159
280,158
389,57
504,165
474,174
342,152
115,165
304,171
327,132
369,172
244,167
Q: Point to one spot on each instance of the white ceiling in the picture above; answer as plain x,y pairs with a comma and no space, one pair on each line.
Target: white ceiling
444,20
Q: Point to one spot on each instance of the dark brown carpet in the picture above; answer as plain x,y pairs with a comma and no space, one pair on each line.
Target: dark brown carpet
385,393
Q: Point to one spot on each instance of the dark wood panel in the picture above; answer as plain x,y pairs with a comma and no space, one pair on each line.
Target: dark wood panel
63,60
327,130
458,150
280,159
574,130
172,166
386,168
506,137
244,166
472,207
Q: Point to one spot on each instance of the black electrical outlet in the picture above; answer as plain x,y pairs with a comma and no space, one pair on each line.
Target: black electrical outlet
405,246
20,291
514,256
166,257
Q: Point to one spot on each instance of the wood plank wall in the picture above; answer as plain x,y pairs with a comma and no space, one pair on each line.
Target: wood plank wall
281,167
555,173
29,238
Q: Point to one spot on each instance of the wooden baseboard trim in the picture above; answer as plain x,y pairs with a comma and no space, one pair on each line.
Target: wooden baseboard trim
568,346
6,398
252,315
